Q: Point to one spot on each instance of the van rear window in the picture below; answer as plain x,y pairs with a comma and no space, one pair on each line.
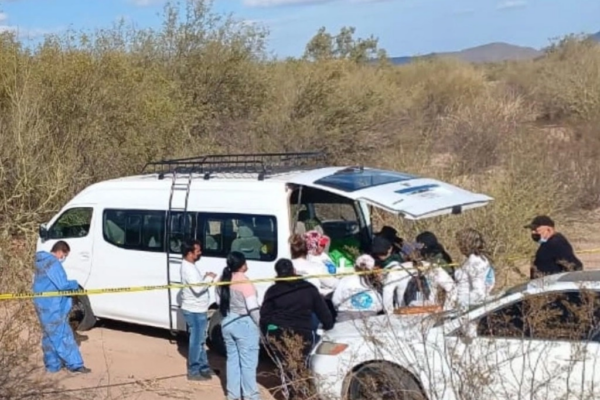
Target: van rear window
353,179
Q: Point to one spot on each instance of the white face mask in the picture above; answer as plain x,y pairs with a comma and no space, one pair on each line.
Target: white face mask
63,259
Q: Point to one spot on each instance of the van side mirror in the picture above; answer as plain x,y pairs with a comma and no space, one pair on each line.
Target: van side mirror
43,232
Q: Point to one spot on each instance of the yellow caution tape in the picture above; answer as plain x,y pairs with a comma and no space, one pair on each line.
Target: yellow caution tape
70,293
131,289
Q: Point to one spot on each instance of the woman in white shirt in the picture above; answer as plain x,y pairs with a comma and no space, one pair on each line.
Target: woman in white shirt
357,296
431,278
475,277
303,266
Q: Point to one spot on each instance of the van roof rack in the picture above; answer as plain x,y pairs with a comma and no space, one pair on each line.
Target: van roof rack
262,164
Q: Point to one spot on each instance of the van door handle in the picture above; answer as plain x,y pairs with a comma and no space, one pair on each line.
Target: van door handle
85,255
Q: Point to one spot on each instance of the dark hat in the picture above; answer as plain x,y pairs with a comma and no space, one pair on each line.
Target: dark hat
540,220
380,245
390,234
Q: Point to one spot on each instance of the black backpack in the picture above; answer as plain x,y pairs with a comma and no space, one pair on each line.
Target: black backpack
417,284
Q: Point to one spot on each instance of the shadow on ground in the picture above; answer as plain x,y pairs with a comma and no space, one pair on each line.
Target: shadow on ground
267,374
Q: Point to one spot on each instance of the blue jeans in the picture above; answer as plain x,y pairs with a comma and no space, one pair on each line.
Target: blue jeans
315,321
197,358
242,341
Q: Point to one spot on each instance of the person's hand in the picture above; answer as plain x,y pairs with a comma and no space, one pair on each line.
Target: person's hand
210,275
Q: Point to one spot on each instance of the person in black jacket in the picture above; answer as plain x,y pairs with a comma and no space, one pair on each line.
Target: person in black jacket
287,311
555,254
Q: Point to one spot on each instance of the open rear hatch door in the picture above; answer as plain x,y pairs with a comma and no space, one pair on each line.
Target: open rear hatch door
409,196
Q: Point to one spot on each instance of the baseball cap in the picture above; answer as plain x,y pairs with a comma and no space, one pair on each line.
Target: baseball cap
390,234
540,220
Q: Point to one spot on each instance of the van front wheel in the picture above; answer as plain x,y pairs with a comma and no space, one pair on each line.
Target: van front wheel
214,335
82,317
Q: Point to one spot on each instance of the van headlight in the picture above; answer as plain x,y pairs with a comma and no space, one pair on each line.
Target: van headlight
330,348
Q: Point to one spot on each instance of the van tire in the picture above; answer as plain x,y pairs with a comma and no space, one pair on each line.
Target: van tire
375,380
214,335
89,319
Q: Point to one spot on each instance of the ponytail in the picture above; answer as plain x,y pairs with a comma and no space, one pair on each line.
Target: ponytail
235,261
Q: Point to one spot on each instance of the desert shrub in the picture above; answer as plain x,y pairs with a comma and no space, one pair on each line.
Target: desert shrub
335,106
84,107
565,82
437,87
575,150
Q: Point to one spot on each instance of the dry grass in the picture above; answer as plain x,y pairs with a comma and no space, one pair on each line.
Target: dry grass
81,108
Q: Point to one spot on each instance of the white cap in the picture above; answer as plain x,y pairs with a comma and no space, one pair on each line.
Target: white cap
365,261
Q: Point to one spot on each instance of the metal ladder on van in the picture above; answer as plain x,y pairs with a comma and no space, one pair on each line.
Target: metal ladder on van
206,167
178,203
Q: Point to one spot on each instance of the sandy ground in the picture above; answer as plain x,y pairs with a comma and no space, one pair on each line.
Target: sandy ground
130,362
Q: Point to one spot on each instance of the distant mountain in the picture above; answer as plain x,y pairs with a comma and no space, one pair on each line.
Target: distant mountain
487,53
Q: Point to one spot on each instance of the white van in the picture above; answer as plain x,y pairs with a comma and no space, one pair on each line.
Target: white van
126,232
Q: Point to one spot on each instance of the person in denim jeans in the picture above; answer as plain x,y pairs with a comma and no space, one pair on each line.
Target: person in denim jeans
194,306
238,304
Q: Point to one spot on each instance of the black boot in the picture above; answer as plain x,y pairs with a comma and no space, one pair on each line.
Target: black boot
78,337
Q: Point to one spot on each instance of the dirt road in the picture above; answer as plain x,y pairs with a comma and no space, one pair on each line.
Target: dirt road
130,362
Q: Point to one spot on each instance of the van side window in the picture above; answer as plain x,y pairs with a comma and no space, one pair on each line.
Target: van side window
73,223
135,229
253,235
180,229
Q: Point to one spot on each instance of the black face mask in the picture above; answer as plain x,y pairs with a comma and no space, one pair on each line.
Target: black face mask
536,237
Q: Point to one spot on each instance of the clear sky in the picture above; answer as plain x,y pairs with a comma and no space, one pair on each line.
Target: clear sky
404,27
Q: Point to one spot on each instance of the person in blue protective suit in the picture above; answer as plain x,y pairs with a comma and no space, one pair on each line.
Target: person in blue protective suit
58,343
